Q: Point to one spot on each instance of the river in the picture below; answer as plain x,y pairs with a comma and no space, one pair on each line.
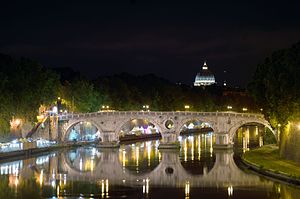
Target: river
141,170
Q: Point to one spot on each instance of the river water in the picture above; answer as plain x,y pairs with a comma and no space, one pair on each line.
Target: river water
140,170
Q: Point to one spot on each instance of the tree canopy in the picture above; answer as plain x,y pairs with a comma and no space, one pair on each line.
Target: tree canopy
276,85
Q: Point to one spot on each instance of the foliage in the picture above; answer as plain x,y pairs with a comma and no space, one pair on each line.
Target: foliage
80,96
276,85
129,92
24,86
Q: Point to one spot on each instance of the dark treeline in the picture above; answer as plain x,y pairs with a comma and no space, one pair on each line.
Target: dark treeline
25,86
276,85
129,92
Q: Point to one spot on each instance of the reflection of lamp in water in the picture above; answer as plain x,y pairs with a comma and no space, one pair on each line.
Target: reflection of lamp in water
92,164
65,179
106,186
187,189
230,191
146,186
199,147
261,141
102,188
16,181
137,156
80,164
192,150
41,177
149,153
124,158
185,149
57,191
211,145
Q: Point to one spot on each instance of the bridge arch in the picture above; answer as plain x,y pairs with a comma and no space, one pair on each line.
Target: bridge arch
149,120
186,120
236,126
70,125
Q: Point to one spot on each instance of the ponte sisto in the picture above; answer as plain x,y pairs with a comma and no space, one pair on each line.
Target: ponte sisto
169,124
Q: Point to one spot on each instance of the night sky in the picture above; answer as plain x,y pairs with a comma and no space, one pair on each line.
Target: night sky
170,39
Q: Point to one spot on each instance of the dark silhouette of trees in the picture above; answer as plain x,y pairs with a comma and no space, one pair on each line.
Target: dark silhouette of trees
276,85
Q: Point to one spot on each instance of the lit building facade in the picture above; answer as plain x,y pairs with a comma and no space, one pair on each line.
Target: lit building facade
204,77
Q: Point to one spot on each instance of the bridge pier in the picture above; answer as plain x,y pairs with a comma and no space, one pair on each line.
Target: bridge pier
169,141
109,140
222,141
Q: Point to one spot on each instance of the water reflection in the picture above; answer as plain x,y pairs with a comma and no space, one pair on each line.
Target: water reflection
138,170
252,136
197,153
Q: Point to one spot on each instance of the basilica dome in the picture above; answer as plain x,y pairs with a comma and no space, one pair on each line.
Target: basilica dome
204,77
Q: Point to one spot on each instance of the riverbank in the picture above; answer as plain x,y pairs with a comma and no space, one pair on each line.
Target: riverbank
266,161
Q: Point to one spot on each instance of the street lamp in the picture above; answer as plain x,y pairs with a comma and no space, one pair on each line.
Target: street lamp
186,107
229,107
105,108
146,107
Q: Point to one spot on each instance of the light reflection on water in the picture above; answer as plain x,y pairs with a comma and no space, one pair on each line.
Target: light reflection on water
140,170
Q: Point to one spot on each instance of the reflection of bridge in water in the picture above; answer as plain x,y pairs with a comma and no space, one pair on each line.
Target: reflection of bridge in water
169,172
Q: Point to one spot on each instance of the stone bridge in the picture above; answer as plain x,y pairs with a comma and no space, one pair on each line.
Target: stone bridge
109,124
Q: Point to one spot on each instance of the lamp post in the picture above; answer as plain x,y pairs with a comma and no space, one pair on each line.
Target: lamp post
186,107
146,107
104,108
229,107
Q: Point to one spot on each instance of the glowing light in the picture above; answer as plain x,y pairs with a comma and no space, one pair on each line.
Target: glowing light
187,189
80,164
192,149
149,154
15,123
261,141
229,107
146,186
137,154
54,109
245,109
16,181
185,150
106,186
102,188
57,191
230,191
41,177
53,183
124,158
40,118
186,106
199,147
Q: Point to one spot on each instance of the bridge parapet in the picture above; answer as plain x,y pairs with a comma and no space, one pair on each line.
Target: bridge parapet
156,113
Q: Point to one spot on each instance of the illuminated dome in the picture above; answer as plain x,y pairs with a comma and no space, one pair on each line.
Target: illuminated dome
205,77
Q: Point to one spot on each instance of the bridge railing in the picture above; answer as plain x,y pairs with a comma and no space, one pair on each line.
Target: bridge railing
66,116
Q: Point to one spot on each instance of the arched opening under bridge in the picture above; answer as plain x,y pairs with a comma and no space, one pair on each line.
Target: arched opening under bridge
83,131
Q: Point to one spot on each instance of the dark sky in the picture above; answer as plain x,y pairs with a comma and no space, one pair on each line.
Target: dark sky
170,39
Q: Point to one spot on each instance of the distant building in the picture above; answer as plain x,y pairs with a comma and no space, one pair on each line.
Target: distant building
204,77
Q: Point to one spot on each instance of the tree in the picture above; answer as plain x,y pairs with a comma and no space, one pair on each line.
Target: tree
80,96
276,85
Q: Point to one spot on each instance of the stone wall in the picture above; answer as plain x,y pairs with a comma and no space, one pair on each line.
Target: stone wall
290,141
